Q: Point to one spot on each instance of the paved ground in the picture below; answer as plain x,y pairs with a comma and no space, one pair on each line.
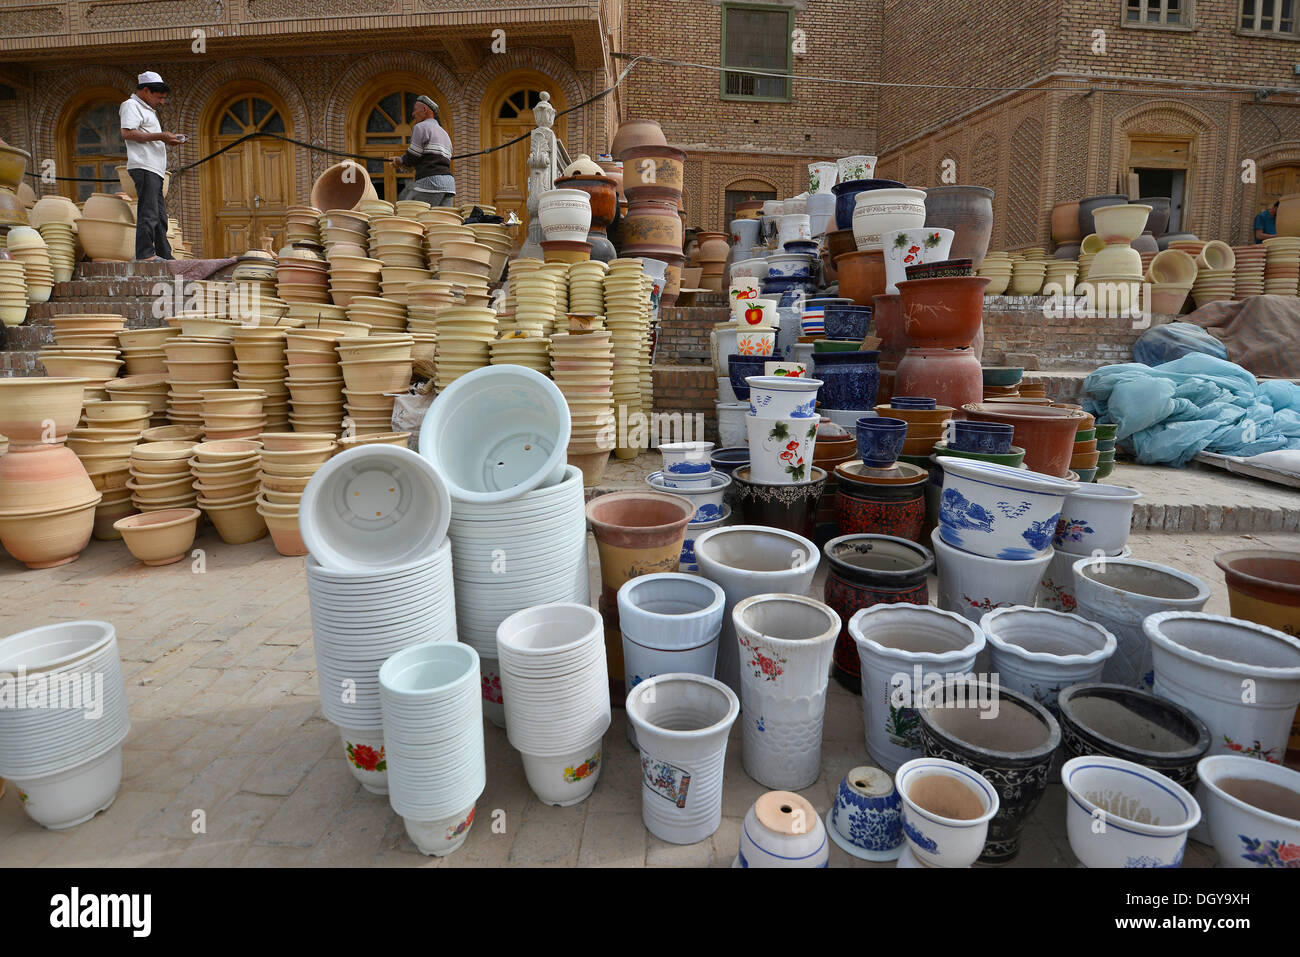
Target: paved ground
225,719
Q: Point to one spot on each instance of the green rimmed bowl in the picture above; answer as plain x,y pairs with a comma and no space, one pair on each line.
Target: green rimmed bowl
1105,445
1015,458
1002,375
1106,430
1085,435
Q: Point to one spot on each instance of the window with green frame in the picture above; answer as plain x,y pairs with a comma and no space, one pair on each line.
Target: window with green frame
756,38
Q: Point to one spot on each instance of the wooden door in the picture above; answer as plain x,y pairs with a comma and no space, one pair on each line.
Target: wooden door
1274,184
250,186
504,175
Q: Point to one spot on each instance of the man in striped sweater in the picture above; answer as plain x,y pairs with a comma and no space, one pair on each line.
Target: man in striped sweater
430,156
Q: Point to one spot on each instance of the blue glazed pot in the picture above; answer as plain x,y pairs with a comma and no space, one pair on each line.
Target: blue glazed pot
850,379
846,197
727,460
847,322
738,367
913,402
992,438
866,819
880,441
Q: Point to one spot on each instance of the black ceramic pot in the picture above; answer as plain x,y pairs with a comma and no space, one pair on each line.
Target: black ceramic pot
1012,751
1122,722
866,570
738,367
1158,220
789,507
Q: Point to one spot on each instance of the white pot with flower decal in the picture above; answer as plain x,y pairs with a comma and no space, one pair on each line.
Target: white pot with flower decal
781,450
821,177
366,758
912,247
859,166
785,656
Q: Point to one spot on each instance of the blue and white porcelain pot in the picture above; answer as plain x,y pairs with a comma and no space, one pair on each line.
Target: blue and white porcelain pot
688,562
851,378
781,397
705,496
866,819
999,512
782,829
687,461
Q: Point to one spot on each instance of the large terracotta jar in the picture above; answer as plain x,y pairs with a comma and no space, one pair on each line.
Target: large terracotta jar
968,212
637,533
652,228
634,133
862,275
43,478
1045,433
943,313
1065,223
951,376
342,186
653,172
713,247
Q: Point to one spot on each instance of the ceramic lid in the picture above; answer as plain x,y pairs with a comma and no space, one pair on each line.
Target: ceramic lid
900,473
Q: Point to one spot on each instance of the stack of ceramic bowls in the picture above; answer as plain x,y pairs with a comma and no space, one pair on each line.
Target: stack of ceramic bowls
1282,266
26,245
536,301
688,471
150,389
232,413
399,439
260,364
424,300
1248,274
380,314
587,287
352,277
62,248
302,224
373,367
397,242
142,349
195,364
582,365
627,317
160,476
925,420
13,293
465,335
359,619
315,381
997,269
464,261
1027,276
531,352
302,280
438,229
348,226
105,450
288,461
66,768
433,731
393,281
497,239
225,478
555,688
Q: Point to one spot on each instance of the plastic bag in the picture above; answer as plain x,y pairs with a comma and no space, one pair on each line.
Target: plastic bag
408,415
1174,340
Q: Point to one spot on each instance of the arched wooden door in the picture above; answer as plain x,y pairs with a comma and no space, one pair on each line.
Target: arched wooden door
247,189
1274,183
380,123
508,114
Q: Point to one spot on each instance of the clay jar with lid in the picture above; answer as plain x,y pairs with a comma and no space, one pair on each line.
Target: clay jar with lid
881,501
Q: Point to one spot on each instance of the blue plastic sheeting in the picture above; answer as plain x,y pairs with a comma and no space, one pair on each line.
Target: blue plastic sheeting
1169,413
1173,340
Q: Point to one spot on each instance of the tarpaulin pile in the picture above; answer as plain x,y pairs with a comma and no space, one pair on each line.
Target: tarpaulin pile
1198,403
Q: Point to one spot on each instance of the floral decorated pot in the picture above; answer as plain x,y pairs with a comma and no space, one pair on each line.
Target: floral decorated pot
794,228
1138,726
881,210
755,342
744,233
866,570
364,753
1056,590
781,397
1253,811
782,829
785,505
1205,661
1038,652
785,652
893,505
946,811
999,512
850,379
866,819
899,646
781,450
1009,741
493,701
857,167
822,176
973,585
1130,791
846,198
1119,594
1096,518
912,247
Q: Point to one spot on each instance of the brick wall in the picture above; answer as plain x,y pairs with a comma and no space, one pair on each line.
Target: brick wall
1015,326
684,334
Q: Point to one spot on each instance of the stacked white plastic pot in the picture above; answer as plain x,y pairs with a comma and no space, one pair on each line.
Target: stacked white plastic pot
61,736
379,580
556,691
433,726
518,528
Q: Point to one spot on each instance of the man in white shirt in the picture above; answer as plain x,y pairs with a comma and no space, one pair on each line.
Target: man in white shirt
146,163
430,156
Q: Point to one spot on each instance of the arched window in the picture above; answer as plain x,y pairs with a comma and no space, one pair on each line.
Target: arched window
507,114
90,144
382,127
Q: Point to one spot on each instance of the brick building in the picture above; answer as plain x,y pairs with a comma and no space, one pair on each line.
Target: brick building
1024,99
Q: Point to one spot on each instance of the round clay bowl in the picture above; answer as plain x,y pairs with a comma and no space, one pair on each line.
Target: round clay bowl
47,539
182,350
162,451
295,441
281,483
162,537
213,421
99,410
146,469
297,457
227,492
226,451
192,390
237,522
286,499
148,491
292,471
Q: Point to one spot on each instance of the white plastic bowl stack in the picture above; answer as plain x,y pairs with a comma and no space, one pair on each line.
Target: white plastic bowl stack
555,686
160,476
433,730
27,246
379,576
13,293
62,247
142,349
65,762
260,364
315,380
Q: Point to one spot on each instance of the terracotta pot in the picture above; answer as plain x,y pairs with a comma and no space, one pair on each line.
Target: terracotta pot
160,538
713,247
968,212
653,172
1065,223
637,533
1045,433
868,570
237,522
333,191
652,228
284,533
603,192
862,275
27,402
791,506
47,539
633,133
951,376
943,313
42,478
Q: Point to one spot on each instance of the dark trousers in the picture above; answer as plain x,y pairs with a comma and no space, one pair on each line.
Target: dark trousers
150,216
